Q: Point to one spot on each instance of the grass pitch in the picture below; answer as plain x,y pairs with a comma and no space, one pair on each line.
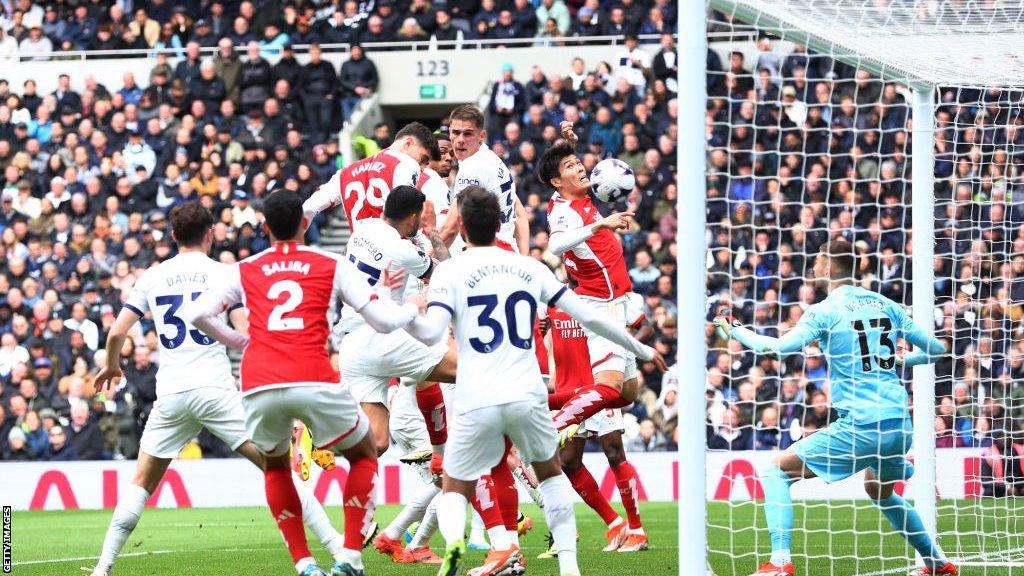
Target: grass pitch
845,538
245,541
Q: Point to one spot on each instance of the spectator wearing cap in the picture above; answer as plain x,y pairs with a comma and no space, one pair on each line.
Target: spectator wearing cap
254,79
242,211
390,19
43,373
136,153
358,80
202,33
16,448
508,101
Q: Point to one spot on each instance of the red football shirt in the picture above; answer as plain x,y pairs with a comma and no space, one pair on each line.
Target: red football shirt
570,352
596,265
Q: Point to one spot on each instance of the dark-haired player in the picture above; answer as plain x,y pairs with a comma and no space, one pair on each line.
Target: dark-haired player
363,186
493,295
195,387
594,260
286,373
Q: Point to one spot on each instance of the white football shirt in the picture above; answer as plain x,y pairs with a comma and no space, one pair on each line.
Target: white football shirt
485,169
494,296
189,359
374,246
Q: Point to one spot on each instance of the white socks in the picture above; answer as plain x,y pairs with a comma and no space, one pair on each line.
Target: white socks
315,518
412,512
126,517
476,529
451,516
427,526
499,537
558,511
781,557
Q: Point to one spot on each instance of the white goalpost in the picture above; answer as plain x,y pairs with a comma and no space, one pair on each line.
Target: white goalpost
897,125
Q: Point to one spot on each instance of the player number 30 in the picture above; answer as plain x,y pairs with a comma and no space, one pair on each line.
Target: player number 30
513,324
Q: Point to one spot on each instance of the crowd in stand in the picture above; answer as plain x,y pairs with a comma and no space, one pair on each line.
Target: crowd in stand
39,30
803,149
89,176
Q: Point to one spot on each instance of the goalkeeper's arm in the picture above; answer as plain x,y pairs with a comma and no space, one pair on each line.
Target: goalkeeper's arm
793,341
929,348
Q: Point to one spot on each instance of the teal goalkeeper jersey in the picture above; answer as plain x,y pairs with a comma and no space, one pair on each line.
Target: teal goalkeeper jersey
858,330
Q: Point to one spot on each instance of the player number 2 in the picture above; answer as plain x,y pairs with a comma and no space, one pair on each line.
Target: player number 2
885,362
489,302
277,321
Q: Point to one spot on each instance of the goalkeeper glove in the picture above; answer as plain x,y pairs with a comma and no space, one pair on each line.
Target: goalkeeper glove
724,323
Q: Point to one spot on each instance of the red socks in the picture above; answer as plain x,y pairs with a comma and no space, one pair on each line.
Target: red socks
625,478
485,502
287,511
431,404
585,485
359,501
558,399
584,404
506,491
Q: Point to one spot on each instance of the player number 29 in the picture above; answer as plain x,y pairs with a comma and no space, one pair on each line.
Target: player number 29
372,194
277,320
513,326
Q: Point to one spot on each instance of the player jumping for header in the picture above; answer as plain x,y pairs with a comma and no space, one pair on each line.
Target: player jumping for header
858,330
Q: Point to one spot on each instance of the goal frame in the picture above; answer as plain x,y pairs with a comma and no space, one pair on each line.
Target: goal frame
692,349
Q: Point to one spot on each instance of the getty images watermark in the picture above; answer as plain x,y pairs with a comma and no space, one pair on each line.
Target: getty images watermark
7,539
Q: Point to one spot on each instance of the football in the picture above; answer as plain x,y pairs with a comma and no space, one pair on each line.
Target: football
612,180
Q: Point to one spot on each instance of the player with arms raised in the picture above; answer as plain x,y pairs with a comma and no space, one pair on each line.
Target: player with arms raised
492,295
363,186
594,260
195,387
858,331
479,166
286,373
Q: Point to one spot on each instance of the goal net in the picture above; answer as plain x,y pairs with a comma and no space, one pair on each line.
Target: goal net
899,126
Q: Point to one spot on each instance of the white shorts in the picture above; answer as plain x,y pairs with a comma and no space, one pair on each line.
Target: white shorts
369,360
476,440
177,418
334,419
604,422
605,354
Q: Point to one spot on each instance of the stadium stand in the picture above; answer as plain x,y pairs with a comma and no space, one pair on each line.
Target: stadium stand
214,113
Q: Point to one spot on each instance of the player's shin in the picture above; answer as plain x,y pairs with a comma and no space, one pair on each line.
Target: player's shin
486,504
126,517
359,507
778,512
451,516
431,404
286,508
907,522
625,479
412,512
427,526
586,486
558,512
508,498
315,518
584,404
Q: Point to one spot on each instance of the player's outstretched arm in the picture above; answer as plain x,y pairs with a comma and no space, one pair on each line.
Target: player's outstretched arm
929,348
110,375
589,318
205,313
561,241
326,196
431,327
793,341
380,313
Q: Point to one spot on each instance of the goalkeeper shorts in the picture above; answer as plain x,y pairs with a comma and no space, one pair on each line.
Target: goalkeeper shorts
843,449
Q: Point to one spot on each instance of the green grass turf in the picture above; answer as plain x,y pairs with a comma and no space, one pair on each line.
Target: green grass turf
853,538
244,541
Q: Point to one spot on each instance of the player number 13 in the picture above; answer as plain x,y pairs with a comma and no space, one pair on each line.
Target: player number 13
886,363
